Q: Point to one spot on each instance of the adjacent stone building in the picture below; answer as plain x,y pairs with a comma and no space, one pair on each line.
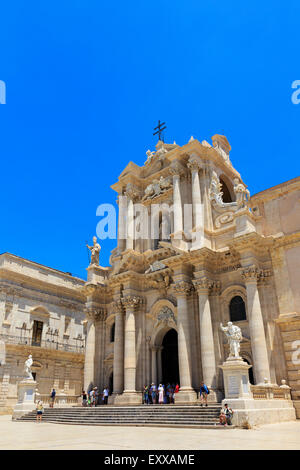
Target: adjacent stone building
220,255
41,313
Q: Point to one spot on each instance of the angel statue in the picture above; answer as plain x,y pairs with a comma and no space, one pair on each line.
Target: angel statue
28,364
95,251
234,337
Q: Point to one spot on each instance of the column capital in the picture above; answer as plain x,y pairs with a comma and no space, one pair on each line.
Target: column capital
264,277
182,288
176,170
95,314
131,301
250,274
203,285
118,306
132,192
194,165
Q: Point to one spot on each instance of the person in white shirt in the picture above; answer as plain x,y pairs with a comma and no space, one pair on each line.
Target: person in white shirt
105,396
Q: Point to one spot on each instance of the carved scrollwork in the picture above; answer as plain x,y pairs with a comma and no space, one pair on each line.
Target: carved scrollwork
95,314
182,288
251,274
131,301
166,317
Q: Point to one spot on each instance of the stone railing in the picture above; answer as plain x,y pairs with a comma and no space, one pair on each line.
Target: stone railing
47,344
271,392
60,400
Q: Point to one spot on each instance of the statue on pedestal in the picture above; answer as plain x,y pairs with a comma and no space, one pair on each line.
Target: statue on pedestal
28,364
95,251
234,337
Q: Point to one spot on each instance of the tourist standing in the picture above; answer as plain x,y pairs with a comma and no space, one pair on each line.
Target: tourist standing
52,398
84,398
146,395
160,394
153,393
105,396
92,397
204,391
39,411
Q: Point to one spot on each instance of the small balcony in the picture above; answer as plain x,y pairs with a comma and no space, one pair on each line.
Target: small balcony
77,346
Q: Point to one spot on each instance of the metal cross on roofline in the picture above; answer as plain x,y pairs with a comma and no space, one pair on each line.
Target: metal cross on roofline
159,130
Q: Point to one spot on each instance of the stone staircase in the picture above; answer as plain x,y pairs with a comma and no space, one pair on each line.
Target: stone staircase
188,416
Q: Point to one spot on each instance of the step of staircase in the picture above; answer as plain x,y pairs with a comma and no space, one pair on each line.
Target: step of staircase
193,416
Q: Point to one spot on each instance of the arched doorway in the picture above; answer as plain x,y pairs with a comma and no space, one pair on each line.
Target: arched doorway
169,358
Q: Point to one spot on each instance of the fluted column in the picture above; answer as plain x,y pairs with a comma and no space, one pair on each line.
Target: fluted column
154,365
130,303
203,286
159,364
89,361
122,203
257,332
118,367
182,290
177,202
194,166
130,225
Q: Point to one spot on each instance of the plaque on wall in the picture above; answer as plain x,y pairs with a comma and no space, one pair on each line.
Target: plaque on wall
245,383
233,385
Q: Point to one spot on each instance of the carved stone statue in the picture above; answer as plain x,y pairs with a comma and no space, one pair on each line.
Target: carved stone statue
241,192
234,337
150,156
95,251
27,368
157,187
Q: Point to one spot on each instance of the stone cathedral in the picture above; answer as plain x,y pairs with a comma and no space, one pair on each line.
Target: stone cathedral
216,255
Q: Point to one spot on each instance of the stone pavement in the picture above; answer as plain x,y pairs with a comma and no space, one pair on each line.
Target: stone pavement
27,435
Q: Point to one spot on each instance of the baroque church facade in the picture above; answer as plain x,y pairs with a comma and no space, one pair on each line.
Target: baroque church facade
209,254
155,314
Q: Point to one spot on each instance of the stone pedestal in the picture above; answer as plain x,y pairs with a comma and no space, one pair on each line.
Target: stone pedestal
128,398
26,396
97,273
236,378
250,412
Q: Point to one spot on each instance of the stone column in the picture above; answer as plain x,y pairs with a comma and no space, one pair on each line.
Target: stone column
122,203
203,286
154,365
257,332
118,367
186,393
89,362
177,202
194,166
130,225
159,364
130,302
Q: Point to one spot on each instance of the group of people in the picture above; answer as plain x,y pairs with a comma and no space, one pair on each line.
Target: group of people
151,395
163,394
92,398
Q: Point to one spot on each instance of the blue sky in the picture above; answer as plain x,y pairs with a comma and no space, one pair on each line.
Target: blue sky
88,80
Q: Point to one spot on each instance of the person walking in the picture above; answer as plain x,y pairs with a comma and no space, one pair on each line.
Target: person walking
52,397
39,411
160,394
204,391
92,397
